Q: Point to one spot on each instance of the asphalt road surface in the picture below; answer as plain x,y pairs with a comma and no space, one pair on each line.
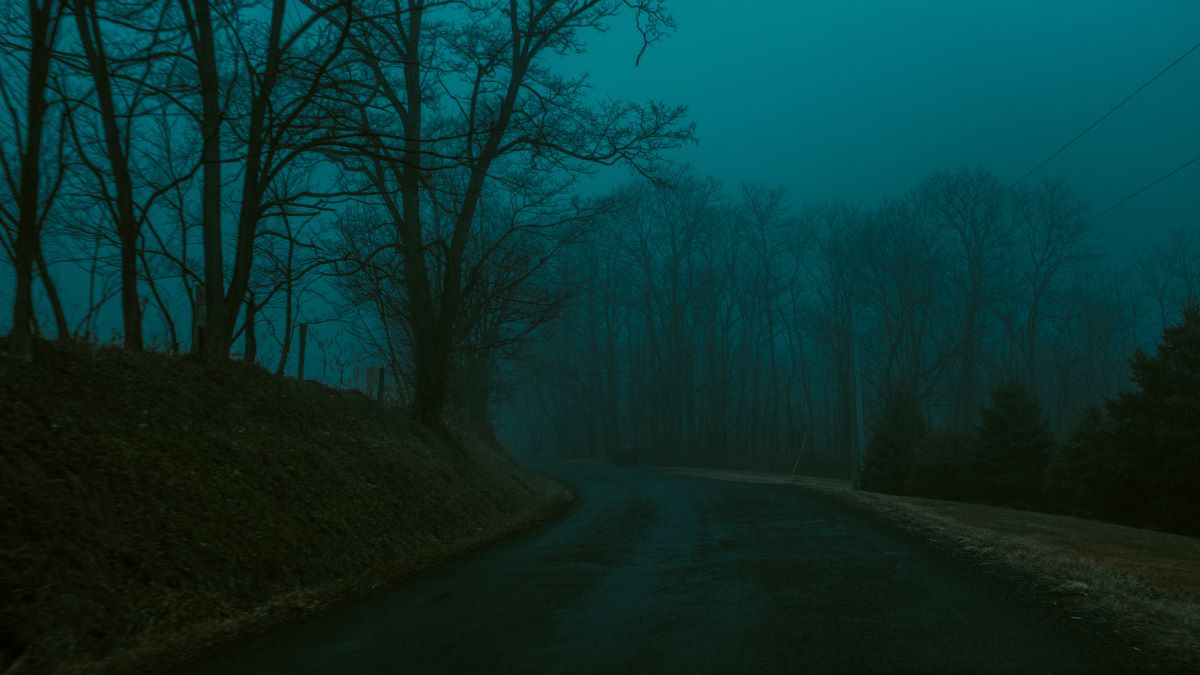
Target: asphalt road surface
653,572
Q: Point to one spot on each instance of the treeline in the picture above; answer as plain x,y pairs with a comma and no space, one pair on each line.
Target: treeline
1134,460
210,165
729,328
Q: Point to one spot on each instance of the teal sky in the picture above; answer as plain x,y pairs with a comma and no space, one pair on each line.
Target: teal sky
855,100
858,99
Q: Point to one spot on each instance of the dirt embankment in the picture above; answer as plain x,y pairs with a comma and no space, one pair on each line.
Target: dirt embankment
149,507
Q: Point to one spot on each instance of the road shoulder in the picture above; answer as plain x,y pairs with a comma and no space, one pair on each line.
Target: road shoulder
1140,586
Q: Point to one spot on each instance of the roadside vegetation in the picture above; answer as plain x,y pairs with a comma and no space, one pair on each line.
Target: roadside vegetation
1134,461
738,326
150,505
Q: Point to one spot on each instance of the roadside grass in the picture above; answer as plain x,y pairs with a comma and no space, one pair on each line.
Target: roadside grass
150,507
1144,584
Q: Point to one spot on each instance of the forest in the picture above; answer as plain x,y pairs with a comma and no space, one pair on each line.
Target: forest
946,338
411,187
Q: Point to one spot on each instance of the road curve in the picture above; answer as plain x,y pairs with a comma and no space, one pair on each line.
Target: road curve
653,572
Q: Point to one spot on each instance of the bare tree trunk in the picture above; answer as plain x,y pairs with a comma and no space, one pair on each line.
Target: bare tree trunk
216,335
43,20
92,40
21,337
251,351
254,183
432,369
964,399
172,331
289,317
62,330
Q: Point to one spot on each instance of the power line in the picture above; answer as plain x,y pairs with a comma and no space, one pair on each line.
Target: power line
1142,189
1105,116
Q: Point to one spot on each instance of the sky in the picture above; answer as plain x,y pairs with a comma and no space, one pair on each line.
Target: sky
858,99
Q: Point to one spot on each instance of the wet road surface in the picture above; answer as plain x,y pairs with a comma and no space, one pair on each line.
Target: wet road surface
654,572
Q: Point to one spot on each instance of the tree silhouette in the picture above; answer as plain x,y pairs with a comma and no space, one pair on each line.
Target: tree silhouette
1012,447
890,455
1156,426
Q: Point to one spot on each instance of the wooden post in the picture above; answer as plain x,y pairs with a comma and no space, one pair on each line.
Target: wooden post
801,452
251,341
303,348
199,318
860,445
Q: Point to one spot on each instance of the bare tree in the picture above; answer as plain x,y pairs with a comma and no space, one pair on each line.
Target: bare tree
904,255
263,113
31,178
1052,234
969,205
1170,271
460,102
121,92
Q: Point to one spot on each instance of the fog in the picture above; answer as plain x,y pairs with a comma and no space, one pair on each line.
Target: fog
731,245
820,336
858,100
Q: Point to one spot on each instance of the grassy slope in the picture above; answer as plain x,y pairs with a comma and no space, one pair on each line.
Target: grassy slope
1145,584
148,507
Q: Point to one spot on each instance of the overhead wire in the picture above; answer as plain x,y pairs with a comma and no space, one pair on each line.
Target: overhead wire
1106,115
1142,189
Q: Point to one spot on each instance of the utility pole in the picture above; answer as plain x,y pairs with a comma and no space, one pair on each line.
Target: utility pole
858,448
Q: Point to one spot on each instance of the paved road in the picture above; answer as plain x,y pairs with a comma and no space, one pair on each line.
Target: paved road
653,572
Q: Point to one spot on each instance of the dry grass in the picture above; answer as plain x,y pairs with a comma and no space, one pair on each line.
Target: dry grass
1145,582
149,507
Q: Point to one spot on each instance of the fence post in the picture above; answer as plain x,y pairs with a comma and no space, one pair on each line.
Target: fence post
199,318
303,349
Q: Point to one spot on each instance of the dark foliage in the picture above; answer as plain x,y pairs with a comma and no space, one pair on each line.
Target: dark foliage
1084,475
893,445
1012,448
1156,430
626,456
942,466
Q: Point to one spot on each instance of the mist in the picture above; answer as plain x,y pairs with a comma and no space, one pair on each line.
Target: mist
797,310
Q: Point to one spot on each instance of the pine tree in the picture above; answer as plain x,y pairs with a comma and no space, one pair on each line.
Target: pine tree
893,444
1084,477
942,468
1157,429
1012,448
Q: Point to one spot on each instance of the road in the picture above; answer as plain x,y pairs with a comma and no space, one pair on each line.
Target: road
654,572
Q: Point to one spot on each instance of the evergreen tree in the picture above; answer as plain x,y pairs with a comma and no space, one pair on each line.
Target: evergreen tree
1012,448
942,467
1157,430
1084,477
893,444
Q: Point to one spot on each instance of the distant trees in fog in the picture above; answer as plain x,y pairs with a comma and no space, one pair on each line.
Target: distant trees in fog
1135,459
727,327
218,166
